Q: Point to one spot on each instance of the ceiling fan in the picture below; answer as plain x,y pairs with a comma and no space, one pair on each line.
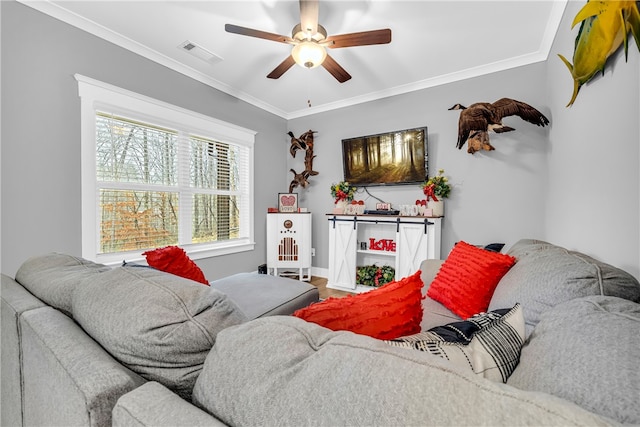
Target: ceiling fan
309,40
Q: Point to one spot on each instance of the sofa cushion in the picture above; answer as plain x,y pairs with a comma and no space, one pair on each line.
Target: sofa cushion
487,344
524,247
586,351
260,295
159,325
152,404
53,277
390,311
283,371
433,313
468,278
546,275
429,268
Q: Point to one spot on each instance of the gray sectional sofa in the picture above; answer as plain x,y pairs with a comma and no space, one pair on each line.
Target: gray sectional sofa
77,335
133,346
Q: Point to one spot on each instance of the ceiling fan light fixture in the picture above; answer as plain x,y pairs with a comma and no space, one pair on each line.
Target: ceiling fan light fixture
308,54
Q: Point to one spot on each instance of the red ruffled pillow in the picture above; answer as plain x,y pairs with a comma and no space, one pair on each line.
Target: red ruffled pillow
466,280
391,311
174,260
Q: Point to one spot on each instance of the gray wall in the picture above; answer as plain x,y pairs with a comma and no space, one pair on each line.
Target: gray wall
41,133
496,197
593,198
575,183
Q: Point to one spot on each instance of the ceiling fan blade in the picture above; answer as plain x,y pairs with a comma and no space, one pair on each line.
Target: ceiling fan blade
230,28
282,68
309,16
363,38
335,69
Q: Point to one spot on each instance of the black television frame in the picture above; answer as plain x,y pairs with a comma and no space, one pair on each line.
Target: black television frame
412,168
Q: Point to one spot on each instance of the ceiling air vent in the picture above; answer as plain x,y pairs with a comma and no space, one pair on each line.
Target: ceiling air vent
200,52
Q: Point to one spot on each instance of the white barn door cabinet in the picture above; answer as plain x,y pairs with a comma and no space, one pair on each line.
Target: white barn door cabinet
396,241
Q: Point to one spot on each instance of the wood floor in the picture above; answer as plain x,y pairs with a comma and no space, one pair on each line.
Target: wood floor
321,284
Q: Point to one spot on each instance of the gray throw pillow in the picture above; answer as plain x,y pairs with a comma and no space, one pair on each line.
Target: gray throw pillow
157,324
546,275
53,277
586,351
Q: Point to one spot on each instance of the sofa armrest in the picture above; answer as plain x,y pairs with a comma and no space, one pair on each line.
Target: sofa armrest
15,300
155,405
68,379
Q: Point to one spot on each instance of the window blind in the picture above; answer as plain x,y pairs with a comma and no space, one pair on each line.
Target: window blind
161,186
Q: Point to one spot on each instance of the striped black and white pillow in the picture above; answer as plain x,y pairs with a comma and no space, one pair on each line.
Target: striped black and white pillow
488,343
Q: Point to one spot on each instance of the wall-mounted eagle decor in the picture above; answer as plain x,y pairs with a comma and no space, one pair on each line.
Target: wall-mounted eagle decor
604,27
482,117
303,142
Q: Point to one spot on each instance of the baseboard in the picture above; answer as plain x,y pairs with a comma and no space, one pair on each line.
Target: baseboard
315,272
319,272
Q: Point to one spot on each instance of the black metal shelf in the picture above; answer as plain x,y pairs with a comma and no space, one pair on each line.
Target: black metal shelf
397,221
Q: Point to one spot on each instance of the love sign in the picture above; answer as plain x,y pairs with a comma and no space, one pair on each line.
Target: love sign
382,245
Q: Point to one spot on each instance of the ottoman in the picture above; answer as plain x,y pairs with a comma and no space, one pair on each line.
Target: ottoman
260,295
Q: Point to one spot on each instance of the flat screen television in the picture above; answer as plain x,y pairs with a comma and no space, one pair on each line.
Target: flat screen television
391,158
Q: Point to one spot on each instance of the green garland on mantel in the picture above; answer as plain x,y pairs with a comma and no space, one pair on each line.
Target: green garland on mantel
374,275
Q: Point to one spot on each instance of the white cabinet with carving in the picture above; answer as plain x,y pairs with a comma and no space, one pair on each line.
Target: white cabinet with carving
397,241
289,244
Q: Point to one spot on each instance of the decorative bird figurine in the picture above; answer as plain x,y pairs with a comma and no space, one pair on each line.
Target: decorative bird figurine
303,142
296,144
484,117
299,179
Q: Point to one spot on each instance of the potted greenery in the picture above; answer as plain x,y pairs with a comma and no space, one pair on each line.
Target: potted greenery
374,276
342,194
436,189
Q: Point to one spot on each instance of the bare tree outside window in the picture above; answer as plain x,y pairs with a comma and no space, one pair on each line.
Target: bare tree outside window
141,189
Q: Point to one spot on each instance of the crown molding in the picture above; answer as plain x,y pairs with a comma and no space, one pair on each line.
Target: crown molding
541,55
58,12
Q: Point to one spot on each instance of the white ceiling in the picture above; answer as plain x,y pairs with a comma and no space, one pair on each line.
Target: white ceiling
433,42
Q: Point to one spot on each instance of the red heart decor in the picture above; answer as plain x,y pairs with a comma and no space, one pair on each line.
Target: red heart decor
287,200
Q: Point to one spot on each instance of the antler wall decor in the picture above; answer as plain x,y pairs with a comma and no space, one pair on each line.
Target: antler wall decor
303,142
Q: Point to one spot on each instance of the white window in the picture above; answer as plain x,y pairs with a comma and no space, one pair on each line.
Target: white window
154,174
